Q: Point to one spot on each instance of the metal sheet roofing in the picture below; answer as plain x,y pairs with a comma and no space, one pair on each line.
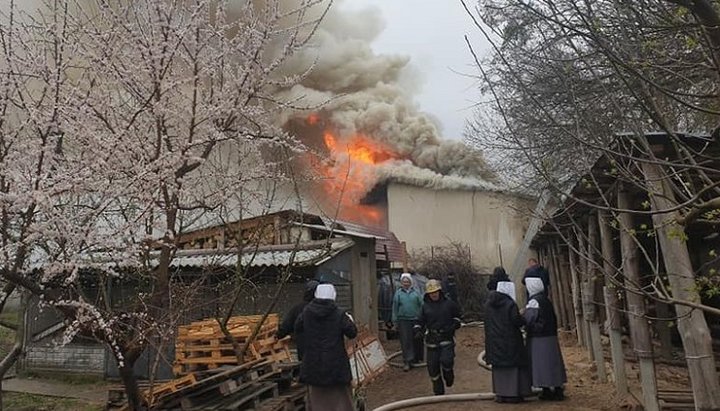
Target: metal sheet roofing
264,256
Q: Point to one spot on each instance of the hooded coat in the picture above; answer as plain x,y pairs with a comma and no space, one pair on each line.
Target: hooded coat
325,361
504,345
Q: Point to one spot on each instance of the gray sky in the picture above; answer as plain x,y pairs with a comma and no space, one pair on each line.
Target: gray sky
431,33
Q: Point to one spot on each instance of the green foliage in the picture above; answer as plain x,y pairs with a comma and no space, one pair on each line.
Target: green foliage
677,233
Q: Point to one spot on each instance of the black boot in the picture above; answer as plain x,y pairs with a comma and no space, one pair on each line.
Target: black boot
546,394
449,376
438,385
559,394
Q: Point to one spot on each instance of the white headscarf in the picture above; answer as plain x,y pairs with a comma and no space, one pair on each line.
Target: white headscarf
406,275
534,285
325,292
507,288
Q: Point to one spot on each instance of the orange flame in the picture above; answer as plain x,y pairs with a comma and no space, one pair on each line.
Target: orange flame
349,173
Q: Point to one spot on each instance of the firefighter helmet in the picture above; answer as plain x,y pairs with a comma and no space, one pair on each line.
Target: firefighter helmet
432,286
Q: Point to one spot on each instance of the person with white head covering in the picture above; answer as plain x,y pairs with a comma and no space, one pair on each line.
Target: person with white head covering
504,345
326,367
406,307
548,367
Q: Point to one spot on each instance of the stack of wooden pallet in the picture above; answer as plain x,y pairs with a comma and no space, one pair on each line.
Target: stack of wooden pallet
202,345
256,385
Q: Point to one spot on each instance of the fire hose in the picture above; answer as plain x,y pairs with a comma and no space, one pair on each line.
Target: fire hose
435,399
414,402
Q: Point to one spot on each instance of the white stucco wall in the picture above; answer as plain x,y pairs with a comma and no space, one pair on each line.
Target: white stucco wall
482,220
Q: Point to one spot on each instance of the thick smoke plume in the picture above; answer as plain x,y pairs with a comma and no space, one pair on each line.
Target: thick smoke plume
363,93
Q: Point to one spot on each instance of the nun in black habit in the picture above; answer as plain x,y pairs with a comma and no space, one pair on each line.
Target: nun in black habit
504,346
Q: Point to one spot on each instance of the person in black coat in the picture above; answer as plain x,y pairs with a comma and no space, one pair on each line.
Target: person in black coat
326,366
439,317
287,327
504,346
498,275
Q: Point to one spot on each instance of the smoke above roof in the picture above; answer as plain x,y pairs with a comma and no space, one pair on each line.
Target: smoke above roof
360,92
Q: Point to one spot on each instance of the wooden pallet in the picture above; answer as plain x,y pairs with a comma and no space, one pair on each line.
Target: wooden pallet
237,326
151,396
211,354
230,389
293,400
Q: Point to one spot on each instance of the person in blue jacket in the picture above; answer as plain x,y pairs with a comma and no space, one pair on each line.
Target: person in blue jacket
406,307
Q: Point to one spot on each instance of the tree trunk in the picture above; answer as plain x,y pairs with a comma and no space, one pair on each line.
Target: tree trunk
691,323
132,391
639,329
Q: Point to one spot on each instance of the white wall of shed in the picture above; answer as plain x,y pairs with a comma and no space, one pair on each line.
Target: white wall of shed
482,220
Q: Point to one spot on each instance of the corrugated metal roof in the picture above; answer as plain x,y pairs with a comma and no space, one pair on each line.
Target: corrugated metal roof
307,253
264,256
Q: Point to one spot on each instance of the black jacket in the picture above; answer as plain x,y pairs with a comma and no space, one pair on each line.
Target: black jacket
440,318
504,345
325,361
545,323
287,327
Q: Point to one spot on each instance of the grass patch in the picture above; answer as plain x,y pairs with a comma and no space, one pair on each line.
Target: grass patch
9,316
7,340
22,401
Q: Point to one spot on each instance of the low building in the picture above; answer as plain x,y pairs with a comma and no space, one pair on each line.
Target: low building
287,243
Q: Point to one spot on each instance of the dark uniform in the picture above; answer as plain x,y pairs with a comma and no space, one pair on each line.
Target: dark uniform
439,320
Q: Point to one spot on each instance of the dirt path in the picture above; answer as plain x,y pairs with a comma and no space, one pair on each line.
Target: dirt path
582,391
52,388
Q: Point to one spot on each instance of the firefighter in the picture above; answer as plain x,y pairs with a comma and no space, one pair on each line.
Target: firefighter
439,318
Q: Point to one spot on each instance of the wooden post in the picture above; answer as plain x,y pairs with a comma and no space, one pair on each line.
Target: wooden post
591,316
582,275
577,304
639,329
612,303
692,325
662,326
555,274
564,283
590,288
546,262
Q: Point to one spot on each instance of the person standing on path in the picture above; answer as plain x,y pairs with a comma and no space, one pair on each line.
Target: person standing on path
406,307
504,345
439,317
326,366
548,367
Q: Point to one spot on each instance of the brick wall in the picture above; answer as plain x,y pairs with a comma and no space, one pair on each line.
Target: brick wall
86,359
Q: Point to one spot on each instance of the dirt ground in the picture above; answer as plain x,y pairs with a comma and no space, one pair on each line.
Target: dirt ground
582,390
